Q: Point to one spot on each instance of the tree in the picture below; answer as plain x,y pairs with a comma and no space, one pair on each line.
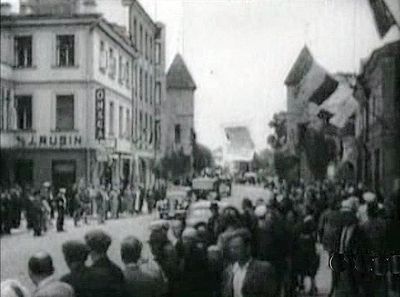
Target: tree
202,157
319,150
284,164
279,124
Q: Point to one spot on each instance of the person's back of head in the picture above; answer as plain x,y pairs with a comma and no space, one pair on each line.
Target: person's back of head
75,253
131,249
40,266
247,204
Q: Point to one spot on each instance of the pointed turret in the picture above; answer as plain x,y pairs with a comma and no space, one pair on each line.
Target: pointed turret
178,76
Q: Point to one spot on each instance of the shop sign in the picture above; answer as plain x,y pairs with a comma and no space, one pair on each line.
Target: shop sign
49,141
100,96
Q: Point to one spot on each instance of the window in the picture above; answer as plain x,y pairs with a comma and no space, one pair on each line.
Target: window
65,112
103,57
141,84
140,125
111,119
151,50
151,139
158,93
23,51
65,50
177,134
146,118
127,74
136,124
158,53
128,127
151,89
113,62
121,70
135,32
24,112
121,121
145,45
141,38
145,87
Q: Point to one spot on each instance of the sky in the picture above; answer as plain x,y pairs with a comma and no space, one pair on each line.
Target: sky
240,51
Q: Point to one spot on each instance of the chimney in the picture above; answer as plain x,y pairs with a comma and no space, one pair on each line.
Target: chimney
5,9
87,7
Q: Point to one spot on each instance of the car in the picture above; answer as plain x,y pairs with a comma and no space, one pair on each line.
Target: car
199,212
174,205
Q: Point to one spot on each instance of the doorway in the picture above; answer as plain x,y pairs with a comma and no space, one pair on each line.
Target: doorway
63,173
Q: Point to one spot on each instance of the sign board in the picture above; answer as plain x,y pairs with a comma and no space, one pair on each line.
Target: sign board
100,113
49,141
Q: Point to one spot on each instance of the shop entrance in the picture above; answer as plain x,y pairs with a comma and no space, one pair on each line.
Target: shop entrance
63,173
24,172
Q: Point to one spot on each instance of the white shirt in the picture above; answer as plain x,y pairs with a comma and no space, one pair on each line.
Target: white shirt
239,274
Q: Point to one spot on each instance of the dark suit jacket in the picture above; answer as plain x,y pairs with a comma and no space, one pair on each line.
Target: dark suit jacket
260,280
108,279
81,281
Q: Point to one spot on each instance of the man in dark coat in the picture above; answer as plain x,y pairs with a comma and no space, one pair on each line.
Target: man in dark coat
75,255
247,277
60,206
139,282
107,275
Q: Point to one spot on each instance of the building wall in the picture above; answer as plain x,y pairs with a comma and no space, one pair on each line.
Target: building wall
379,157
44,81
181,112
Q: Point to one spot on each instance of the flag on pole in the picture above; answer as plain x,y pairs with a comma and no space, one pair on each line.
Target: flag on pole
384,19
312,82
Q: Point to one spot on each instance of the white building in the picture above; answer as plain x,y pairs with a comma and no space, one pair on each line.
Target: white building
66,92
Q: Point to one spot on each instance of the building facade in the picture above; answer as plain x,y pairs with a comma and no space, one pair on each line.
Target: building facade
378,119
149,93
66,98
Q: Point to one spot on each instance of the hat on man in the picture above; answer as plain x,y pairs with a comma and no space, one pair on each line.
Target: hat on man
98,241
369,197
260,211
46,184
75,251
62,190
243,233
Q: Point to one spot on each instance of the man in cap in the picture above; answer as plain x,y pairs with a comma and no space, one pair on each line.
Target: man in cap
107,275
41,272
60,206
138,281
214,223
246,277
75,255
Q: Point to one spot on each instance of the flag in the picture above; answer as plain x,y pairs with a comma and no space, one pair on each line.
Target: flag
384,19
311,81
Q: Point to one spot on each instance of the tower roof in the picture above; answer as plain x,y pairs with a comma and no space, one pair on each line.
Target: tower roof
178,75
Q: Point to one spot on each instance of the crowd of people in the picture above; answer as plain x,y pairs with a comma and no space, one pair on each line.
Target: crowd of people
268,248
45,207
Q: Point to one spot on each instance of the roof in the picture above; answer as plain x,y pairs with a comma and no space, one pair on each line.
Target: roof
300,67
390,49
178,75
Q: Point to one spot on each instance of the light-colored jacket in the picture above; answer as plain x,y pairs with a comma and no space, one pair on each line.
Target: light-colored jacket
51,287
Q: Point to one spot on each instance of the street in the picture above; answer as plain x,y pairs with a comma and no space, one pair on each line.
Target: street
17,248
